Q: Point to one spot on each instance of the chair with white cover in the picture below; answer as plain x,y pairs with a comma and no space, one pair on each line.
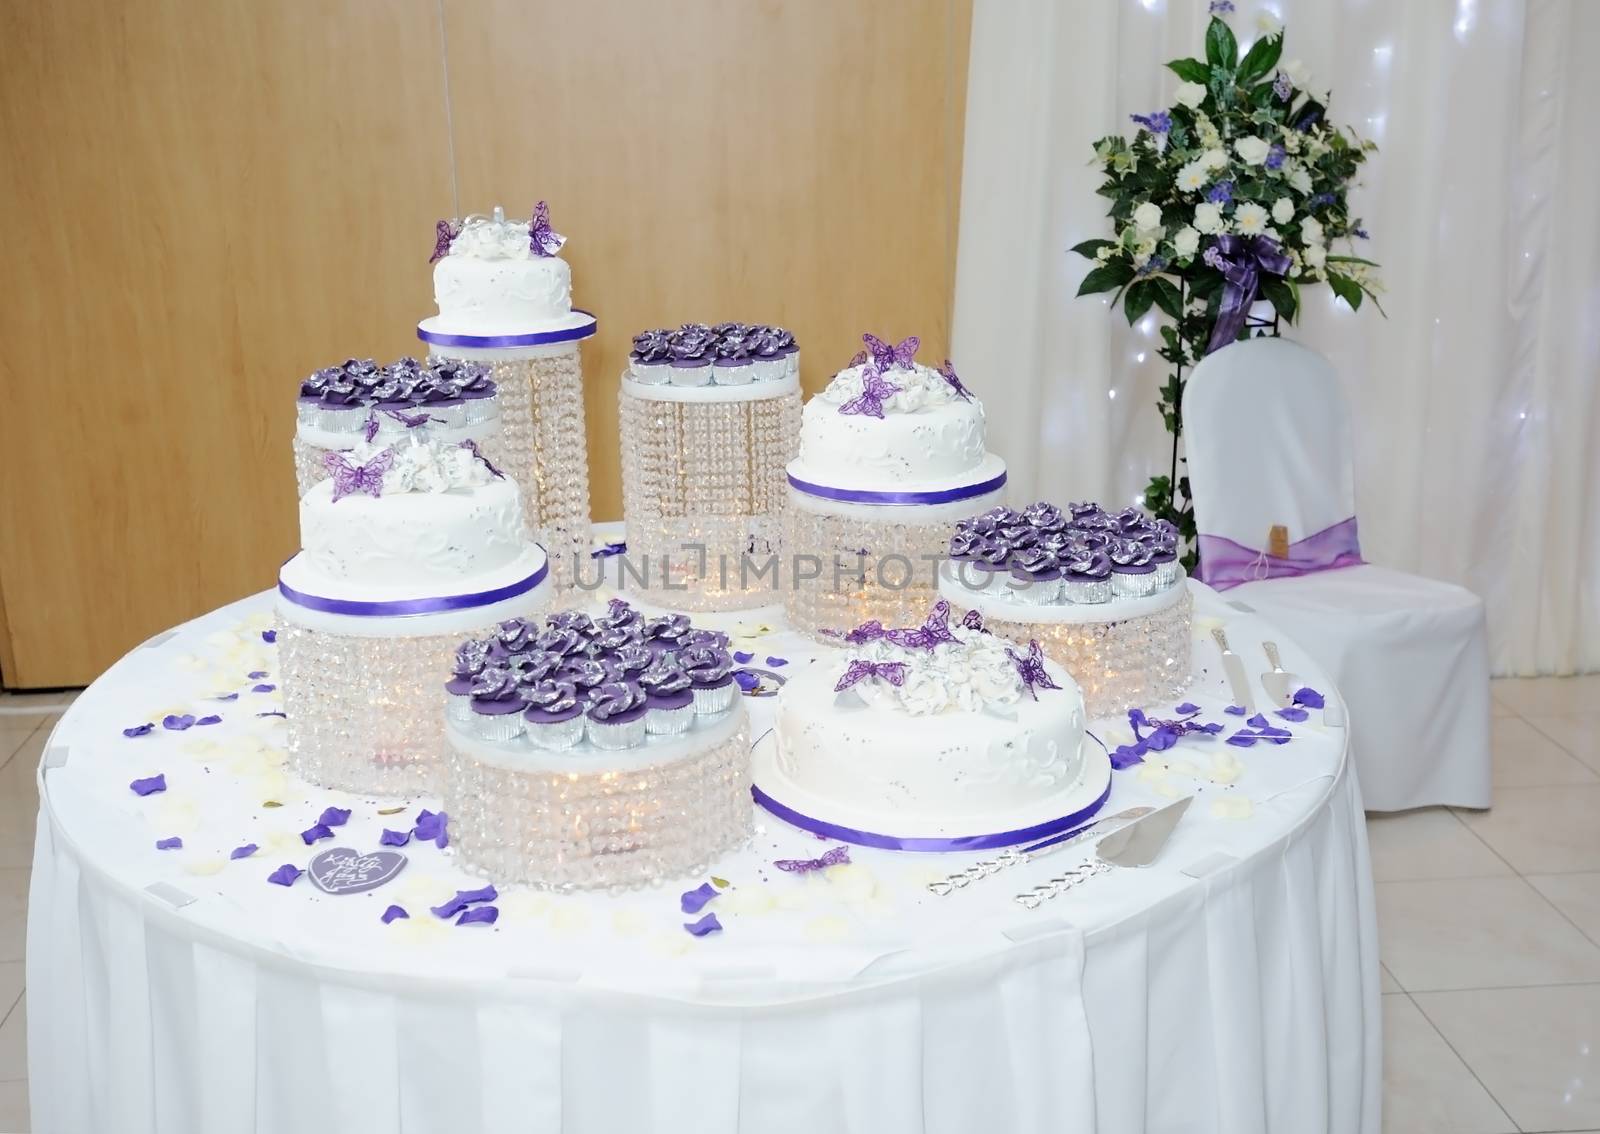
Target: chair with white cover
1268,443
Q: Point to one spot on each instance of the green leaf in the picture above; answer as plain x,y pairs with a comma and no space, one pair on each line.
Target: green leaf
1222,50
1190,70
1351,260
1346,289
1260,59
1168,298
1278,291
1138,300
1105,277
1090,248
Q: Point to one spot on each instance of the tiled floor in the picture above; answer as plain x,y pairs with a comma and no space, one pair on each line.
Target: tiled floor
1490,927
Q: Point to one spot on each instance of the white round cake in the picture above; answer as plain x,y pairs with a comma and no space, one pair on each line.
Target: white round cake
501,277
922,736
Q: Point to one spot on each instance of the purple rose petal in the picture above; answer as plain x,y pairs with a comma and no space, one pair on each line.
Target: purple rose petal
1293,714
1188,708
776,663
138,730
743,657
1258,721
1244,738
177,722
255,675
433,826
174,843
274,713
150,784
394,912
707,924
269,636
262,688
334,817
243,852
693,901
746,680
285,875
1127,755
210,719
319,831
465,898
1309,697
1235,710
226,697
479,915
394,838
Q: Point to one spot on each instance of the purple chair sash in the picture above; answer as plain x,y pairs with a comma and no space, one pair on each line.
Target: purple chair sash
1225,564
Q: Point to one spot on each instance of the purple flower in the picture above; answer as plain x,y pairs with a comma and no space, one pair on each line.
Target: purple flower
150,785
1221,7
1220,193
693,901
334,817
1158,122
707,924
394,838
177,722
286,875
1275,156
1214,259
1282,87
394,912
243,852
138,730
1360,234
479,915
1154,266
174,843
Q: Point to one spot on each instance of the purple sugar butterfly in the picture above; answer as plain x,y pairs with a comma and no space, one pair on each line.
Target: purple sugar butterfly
838,856
866,632
542,239
886,357
948,373
471,446
892,672
349,479
874,391
933,631
973,619
444,235
1030,667
410,420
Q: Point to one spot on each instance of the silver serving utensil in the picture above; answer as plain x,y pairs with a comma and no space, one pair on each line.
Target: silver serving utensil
1233,669
1138,844
1012,856
1279,683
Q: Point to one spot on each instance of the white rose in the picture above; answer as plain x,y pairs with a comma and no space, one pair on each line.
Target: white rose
1186,241
1282,210
1214,159
1191,94
1299,180
1250,219
464,470
1192,177
1267,24
1252,149
1311,231
1316,256
924,692
1147,216
1208,218
1296,70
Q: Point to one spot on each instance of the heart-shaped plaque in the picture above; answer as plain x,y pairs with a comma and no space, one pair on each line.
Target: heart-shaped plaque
341,870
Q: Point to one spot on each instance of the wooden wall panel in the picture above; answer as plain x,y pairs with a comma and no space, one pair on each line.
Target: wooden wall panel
787,161
204,201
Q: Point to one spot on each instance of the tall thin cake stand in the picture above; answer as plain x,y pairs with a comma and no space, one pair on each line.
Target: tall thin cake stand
541,444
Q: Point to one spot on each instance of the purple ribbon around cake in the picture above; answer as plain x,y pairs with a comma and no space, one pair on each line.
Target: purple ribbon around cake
855,496
1225,564
962,843
402,608
860,670
506,342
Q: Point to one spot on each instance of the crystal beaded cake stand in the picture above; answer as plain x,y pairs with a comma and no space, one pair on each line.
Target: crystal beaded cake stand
1124,654
845,563
364,695
589,819
542,444
703,490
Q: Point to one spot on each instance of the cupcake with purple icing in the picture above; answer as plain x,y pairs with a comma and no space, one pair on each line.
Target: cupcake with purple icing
710,670
691,350
472,658
1086,574
308,406
768,362
650,360
665,633
497,705
554,716
732,365
668,696
341,407
1163,544
478,392
1133,574
783,342
1036,575
616,715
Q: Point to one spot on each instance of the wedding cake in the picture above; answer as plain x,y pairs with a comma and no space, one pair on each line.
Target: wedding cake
405,547
932,737
605,751
892,453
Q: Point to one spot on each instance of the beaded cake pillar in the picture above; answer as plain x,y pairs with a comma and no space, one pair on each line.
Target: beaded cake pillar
505,300
704,448
892,454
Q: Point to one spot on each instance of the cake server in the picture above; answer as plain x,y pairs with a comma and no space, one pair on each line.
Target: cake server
1278,682
1138,844
1233,668
1014,857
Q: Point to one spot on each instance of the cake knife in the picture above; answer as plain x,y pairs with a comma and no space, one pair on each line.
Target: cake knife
1013,857
1137,844
1233,667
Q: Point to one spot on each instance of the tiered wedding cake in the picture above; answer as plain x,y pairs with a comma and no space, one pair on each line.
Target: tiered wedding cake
934,737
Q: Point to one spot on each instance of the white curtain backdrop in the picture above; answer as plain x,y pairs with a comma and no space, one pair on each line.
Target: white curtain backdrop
1476,404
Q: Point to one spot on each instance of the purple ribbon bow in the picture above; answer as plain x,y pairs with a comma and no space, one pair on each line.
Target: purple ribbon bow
1242,260
542,239
885,357
874,392
1030,668
893,672
933,631
444,235
1225,564
349,479
948,373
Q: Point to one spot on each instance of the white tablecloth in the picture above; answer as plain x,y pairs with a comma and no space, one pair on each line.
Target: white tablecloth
1231,987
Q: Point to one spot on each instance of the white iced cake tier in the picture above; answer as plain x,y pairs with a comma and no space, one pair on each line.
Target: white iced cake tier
494,282
967,736
925,435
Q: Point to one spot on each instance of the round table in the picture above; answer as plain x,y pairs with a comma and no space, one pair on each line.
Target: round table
1230,987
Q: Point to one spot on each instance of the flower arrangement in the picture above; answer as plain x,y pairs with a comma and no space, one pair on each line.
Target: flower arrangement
1236,192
